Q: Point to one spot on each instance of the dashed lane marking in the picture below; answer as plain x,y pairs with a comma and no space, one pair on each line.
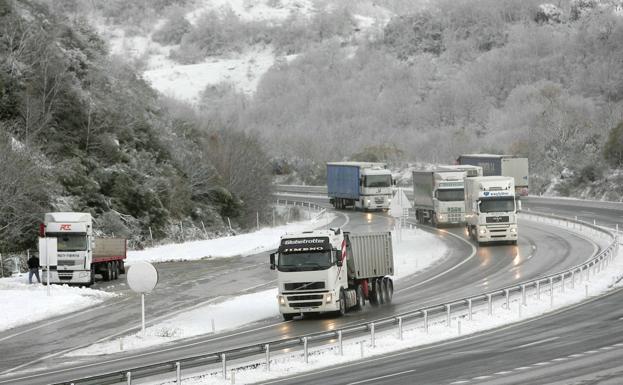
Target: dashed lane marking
380,378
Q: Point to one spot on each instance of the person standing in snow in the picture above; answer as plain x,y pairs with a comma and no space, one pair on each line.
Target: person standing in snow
33,268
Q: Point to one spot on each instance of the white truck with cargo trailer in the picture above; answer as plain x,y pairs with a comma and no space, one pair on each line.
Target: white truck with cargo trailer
501,165
361,185
81,254
438,194
491,209
332,271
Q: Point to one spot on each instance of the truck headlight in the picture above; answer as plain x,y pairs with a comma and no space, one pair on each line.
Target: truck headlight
329,298
442,218
513,230
368,201
282,300
482,231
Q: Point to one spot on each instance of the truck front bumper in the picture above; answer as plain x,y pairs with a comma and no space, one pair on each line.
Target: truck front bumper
497,233
297,303
66,276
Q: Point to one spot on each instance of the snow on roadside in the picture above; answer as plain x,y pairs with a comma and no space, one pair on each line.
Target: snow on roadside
416,250
24,303
238,245
253,10
415,335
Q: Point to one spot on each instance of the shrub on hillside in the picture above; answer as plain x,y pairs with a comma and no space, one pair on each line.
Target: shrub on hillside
173,29
613,150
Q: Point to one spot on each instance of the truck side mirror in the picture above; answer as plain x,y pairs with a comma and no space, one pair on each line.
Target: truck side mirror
518,205
338,257
272,261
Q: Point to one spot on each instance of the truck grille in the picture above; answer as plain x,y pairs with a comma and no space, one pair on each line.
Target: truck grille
300,301
498,219
379,200
303,286
454,217
65,275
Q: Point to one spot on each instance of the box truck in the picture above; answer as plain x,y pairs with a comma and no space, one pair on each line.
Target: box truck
332,271
362,185
81,254
491,209
501,165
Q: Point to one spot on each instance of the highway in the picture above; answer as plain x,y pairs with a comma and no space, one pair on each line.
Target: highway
28,352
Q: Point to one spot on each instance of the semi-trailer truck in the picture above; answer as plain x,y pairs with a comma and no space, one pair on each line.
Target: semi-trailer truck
438,197
491,209
362,185
81,254
501,165
332,271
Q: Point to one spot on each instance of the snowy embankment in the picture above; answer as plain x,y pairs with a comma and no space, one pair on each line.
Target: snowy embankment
26,303
416,250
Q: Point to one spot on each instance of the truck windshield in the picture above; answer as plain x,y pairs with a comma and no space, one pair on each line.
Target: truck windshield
70,242
491,205
377,180
317,260
451,195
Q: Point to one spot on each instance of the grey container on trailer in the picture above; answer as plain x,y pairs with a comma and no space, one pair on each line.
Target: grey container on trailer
423,185
109,248
372,255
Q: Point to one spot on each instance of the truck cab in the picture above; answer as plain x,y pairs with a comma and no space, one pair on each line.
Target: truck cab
491,209
74,233
375,188
311,272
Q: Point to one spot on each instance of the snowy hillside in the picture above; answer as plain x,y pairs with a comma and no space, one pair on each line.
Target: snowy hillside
242,70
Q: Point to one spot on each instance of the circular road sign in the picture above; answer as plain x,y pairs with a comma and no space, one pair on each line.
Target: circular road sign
142,277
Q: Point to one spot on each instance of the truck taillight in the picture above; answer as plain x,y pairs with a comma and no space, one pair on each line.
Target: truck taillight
42,230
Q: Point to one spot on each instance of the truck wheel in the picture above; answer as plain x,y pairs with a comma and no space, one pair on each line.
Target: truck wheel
92,281
121,267
342,300
376,295
288,316
388,284
383,290
361,301
108,272
115,270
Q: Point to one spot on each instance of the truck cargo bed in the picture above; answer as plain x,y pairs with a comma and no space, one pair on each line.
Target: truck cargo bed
372,255
109,248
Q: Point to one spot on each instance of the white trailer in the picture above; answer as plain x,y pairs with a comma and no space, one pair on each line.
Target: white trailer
82,255
491,209
438,196
332,271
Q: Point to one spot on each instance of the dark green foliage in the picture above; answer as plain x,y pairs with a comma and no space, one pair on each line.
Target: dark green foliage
613,149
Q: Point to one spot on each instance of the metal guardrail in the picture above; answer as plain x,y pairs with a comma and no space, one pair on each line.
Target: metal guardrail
592,266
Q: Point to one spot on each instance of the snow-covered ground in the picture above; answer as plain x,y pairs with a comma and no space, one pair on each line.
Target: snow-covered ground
190,323
23,303
414,250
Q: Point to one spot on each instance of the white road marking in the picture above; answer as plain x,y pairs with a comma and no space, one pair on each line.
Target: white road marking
380,378
541,364
575,355
482,378
535,343
523,368
503,373
591,352
606,348
459,382
560,359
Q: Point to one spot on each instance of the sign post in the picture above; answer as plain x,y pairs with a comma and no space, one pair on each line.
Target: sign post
399,209
142,278
48,256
